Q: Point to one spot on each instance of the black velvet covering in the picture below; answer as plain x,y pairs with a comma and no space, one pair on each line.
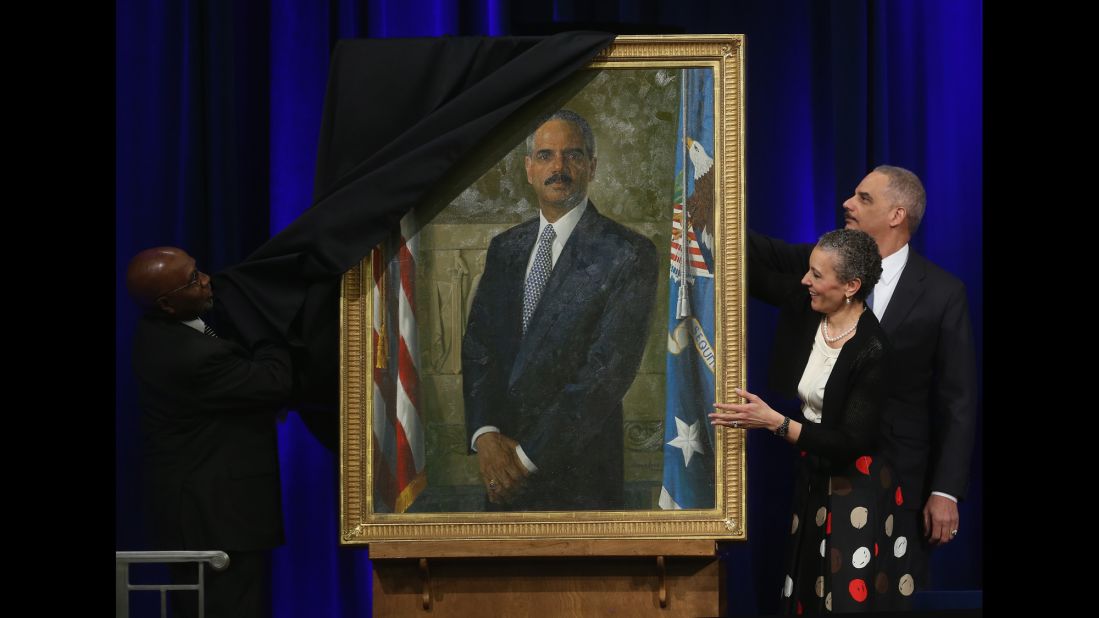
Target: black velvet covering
400,116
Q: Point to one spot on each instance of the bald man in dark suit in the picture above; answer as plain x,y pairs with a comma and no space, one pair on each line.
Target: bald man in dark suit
209,436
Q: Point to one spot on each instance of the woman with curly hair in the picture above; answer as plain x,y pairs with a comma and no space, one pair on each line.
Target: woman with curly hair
832,354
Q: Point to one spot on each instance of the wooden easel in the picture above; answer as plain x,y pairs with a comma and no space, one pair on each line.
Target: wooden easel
548,578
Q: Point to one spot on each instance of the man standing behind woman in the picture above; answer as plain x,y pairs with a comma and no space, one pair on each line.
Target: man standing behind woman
843,553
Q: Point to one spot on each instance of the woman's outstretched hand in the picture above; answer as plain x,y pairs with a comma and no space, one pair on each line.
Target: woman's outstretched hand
753,414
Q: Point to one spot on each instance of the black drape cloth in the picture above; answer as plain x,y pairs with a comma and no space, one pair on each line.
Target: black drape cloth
400,116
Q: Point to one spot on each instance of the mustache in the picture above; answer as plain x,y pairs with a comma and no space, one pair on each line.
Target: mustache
559,177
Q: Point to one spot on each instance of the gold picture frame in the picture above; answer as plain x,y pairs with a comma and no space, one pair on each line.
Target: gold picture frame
627,89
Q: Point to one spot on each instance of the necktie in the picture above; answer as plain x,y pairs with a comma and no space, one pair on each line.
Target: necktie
209,330
539,274
870,301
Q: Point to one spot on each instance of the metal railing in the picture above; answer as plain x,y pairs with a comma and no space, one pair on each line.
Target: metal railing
218,560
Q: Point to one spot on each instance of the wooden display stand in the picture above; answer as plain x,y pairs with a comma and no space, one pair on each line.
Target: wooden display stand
548,578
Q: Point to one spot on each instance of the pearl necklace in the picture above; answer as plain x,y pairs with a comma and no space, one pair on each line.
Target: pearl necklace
824,330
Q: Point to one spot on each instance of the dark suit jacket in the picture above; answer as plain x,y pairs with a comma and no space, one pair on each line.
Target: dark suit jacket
929,419
209,437
558,390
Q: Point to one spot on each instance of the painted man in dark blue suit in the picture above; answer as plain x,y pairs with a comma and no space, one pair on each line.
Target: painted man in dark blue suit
555,337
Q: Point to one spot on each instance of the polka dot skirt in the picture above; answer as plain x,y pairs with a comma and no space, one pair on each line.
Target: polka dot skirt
845,555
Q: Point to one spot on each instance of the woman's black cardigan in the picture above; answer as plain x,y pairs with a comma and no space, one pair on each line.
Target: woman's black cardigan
856,389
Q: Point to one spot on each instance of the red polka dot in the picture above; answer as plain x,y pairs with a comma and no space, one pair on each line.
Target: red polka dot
899,498
875,549
800,610
863,464
828,523
804,453
857,588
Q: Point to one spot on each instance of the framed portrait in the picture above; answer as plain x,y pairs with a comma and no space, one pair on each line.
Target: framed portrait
535,356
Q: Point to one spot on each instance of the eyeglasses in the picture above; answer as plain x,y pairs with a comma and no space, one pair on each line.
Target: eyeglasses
193,281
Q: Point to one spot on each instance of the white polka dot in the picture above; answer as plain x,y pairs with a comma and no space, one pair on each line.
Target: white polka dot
900,546
906,585
794,526
819,587
822,514
858,517
828,601
889,526
788,587
860,558
822,542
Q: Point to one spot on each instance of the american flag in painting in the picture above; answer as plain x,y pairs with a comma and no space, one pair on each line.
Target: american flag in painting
399,474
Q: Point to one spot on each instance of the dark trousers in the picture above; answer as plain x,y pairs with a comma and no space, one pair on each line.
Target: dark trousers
243,590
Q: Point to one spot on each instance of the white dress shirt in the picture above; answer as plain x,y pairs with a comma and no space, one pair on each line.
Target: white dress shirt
891,268
196,324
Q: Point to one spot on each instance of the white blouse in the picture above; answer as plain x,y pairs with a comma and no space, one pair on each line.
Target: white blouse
815,377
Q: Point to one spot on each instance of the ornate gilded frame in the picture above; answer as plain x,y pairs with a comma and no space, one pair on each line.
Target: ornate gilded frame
360,523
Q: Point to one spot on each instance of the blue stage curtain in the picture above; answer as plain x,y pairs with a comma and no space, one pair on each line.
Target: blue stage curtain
218,108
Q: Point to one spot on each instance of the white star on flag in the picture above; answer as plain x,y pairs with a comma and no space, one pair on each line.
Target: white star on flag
687,440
